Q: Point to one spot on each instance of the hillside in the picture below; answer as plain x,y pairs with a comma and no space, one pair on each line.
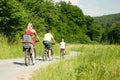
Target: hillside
111,25
107,20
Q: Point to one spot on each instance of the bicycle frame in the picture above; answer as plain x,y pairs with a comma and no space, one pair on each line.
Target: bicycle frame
28,54
62,53
45,54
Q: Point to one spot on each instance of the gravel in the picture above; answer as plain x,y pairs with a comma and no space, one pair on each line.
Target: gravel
15,69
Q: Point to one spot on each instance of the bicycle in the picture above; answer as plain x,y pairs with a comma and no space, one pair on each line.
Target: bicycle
45,55
62,53
27,49
28,54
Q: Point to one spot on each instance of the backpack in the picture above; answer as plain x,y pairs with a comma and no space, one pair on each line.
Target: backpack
27,40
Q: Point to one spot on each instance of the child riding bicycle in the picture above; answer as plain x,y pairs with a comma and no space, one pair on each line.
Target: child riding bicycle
62,47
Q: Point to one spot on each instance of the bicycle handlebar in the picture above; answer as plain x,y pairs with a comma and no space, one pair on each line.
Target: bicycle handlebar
53,43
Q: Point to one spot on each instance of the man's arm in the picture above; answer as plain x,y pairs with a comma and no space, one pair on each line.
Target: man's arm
53,40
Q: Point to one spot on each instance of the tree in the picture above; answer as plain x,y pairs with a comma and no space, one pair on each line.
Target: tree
95,32
114,33
12,17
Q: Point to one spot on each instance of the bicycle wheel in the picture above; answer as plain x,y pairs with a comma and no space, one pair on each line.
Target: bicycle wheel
27,57
62,54
45,55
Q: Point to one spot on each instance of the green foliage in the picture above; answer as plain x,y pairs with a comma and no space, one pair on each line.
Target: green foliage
110,24
65,20
12,18
73,22
95,32
114,33
107,20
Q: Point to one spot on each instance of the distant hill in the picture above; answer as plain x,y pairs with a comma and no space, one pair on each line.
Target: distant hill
107,20
111,26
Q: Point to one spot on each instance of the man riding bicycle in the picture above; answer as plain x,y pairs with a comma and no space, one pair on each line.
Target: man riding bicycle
33,33
48,38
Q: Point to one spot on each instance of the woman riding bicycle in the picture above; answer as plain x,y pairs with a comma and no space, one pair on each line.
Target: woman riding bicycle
48,38
33,33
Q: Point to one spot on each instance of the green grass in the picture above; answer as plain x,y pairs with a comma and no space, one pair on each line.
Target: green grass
100,62
9,51
96,62
60,70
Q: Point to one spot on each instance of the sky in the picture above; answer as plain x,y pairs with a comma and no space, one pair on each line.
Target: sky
96,7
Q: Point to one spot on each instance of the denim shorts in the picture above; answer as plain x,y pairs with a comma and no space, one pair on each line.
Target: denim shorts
47,44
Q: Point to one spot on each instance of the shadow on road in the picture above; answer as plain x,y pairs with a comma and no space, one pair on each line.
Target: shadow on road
22,64
18,63
39,59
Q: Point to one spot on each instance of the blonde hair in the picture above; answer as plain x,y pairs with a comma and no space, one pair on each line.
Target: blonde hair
30,25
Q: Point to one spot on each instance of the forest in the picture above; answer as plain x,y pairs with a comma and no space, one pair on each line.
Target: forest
64,19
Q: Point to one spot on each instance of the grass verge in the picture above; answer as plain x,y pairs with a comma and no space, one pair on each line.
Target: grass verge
97,62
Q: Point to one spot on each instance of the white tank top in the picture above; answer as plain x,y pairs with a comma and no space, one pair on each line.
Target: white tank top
62,45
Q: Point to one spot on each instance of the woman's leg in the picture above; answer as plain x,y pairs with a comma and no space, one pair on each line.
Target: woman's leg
33,54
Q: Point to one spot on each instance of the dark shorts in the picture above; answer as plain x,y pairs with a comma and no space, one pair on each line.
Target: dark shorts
47,44
61,49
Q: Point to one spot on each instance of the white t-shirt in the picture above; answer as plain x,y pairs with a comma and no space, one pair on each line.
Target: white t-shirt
48,37
62,45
